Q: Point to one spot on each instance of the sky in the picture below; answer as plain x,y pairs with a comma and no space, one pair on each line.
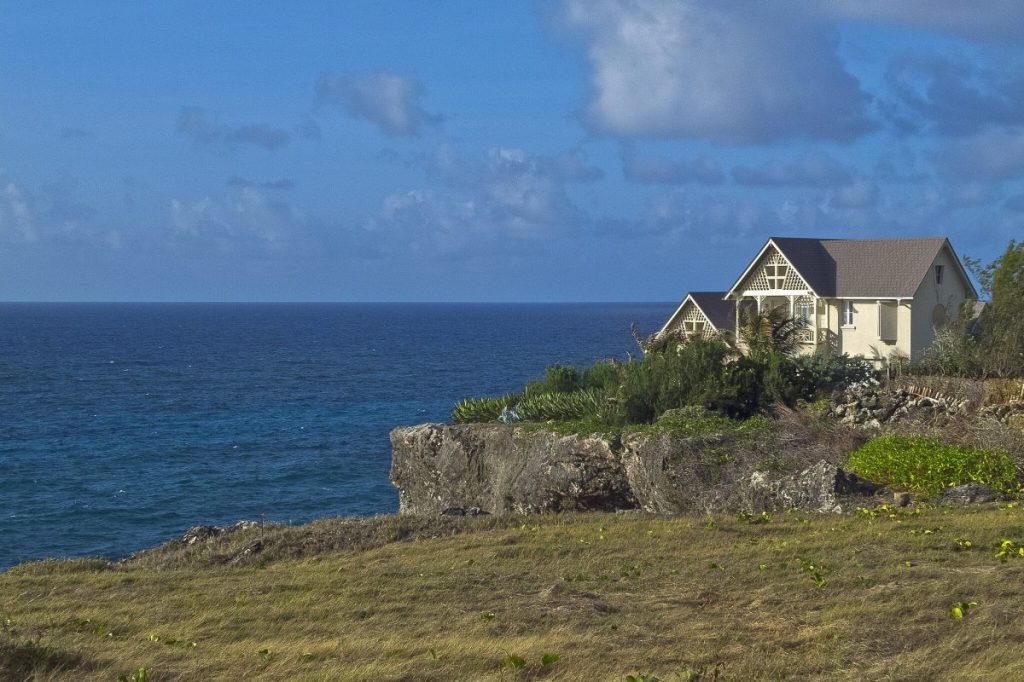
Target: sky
477,150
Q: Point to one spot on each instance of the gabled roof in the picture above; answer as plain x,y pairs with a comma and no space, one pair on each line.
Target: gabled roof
862,268
719,312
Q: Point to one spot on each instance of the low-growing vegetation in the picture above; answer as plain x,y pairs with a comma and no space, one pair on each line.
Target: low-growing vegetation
889,593
707,375
927,465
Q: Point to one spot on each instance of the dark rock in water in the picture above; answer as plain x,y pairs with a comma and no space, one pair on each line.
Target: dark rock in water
968,493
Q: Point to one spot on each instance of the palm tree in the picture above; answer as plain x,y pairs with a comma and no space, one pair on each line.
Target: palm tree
771,331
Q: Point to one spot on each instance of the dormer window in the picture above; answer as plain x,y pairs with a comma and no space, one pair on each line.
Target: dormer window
938,274
776,275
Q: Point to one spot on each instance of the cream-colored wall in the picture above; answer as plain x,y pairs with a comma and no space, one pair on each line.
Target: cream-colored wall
951,294
862,338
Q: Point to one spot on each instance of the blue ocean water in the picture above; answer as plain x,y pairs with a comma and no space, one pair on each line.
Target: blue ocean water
121,425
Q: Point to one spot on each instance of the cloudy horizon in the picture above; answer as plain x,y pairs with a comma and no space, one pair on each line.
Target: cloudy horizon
608,150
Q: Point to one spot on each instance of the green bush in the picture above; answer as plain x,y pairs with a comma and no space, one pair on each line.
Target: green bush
818,375
928,465
478,410
557,379
554,406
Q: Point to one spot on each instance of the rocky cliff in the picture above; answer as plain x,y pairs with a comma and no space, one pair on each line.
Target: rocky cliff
496,468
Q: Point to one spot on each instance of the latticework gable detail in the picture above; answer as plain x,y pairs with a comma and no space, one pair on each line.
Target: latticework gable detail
774,273
692,322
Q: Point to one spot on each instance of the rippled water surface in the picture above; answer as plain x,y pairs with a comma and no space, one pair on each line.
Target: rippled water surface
122,425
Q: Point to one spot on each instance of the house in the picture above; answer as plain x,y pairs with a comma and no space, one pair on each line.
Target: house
703,313
875,298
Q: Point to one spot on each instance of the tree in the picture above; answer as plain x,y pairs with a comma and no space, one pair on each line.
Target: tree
1002,330
770,331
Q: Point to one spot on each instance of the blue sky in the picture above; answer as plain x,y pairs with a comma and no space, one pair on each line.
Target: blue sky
484,151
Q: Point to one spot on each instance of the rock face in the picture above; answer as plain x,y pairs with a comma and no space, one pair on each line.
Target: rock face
499,468
496,468
823,487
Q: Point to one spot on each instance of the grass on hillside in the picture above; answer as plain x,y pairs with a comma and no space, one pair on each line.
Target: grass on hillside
575,597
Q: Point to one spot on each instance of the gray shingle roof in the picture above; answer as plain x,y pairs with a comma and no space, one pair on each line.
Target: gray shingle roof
851,268
719,312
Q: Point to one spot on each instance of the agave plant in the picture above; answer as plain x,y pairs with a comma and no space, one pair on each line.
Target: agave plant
479,410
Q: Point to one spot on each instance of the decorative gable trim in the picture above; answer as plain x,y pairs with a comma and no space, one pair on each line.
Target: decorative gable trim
793,282
709,325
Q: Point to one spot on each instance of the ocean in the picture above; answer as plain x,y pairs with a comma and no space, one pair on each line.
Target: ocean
122,425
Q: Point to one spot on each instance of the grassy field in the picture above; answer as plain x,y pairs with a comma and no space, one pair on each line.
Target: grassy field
587,597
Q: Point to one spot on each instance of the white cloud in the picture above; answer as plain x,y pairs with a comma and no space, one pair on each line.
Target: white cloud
503,200
730,71
196,124
974,19
17,217
242,218
389,101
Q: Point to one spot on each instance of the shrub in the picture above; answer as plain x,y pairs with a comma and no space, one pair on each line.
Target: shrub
694,374
557,379
554,406
928,465
822,373
477,410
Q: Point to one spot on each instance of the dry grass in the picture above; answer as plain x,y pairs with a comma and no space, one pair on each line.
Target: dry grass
612,595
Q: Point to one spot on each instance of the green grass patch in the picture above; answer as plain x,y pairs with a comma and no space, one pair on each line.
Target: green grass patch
571,597
927,465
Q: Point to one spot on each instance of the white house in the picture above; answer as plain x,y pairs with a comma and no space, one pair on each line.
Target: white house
868,297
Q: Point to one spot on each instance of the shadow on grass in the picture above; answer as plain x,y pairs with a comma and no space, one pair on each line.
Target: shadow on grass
27,659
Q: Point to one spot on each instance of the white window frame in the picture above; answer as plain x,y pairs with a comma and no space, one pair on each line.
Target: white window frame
848,314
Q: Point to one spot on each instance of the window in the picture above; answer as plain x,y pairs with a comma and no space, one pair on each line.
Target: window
693,326
776,275
805,312
938,274
848,312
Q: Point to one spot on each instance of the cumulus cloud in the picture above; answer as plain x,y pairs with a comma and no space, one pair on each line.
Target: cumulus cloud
992,156
17,216
654,169
976,20
242,219
389,101
860,193
196,124
811,169
956,97
503,200
735,72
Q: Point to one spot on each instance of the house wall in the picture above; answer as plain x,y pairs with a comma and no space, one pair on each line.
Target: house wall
951,294
862,338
